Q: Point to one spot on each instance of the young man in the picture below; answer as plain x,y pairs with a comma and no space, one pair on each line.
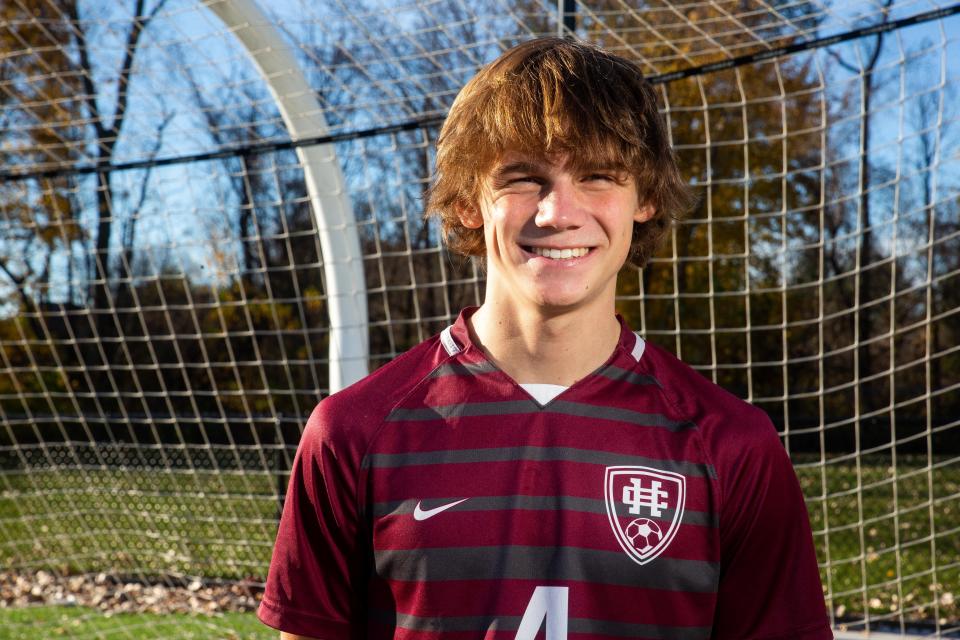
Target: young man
538,470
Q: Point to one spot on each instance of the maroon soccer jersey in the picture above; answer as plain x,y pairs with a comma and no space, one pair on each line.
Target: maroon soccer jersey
437,498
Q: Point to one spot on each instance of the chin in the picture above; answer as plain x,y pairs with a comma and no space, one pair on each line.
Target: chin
559,302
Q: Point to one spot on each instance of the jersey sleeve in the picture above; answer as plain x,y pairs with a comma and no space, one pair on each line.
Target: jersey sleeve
770,585
318,574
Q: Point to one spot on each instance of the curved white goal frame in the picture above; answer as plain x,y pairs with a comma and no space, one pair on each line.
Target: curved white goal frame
339,241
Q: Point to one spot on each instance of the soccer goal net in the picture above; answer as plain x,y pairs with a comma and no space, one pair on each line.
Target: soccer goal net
211,218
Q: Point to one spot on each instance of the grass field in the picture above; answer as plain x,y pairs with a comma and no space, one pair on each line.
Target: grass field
221,526
880,559
77,622
205,524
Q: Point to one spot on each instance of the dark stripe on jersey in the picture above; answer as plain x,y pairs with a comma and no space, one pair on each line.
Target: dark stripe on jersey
522,407
463,369
545,563
534,503
443,412
616,373
452,624
533,454
618,414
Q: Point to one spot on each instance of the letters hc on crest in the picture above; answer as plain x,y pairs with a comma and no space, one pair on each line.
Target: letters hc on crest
645,508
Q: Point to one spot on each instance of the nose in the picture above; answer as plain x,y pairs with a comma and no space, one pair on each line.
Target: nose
559,207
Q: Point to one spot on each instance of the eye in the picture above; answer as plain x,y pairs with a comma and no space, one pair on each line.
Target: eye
518,181
611,177
600,178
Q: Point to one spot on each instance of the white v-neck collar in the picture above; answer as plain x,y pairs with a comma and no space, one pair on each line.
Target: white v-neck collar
543,393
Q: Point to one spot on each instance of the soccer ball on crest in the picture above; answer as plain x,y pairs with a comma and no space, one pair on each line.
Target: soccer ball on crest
644,534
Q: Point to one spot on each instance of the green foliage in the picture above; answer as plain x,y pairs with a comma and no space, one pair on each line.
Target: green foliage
41,105
758,286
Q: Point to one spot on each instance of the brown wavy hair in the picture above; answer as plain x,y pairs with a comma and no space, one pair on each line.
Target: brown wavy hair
557,96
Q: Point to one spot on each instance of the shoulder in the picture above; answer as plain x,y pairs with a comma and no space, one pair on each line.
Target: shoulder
352,416
731,430
700,400
738,439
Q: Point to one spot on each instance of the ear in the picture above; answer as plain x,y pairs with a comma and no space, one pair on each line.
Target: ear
644,212
469,216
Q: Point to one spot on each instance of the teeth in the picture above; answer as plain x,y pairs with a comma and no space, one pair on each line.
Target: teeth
560,254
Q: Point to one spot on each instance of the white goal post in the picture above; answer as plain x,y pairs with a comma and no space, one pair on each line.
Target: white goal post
303,116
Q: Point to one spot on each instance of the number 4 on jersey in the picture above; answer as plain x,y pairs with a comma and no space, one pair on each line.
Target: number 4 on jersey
549,603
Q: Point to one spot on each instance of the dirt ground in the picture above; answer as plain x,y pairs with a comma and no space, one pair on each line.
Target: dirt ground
109,593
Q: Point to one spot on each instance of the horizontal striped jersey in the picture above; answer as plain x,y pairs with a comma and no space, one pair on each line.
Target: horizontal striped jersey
437,499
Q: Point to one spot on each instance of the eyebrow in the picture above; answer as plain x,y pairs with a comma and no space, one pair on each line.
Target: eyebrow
521,166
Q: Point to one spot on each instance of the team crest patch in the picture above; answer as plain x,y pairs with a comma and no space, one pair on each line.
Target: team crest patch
645,507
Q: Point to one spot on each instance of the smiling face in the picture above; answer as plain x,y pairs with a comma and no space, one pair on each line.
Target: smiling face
548,97
556,234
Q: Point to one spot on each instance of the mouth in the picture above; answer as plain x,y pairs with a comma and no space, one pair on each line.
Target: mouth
558,254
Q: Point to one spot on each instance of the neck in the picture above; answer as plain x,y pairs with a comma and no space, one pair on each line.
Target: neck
539,347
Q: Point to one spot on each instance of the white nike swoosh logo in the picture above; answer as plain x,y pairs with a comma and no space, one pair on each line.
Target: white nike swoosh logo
423,514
